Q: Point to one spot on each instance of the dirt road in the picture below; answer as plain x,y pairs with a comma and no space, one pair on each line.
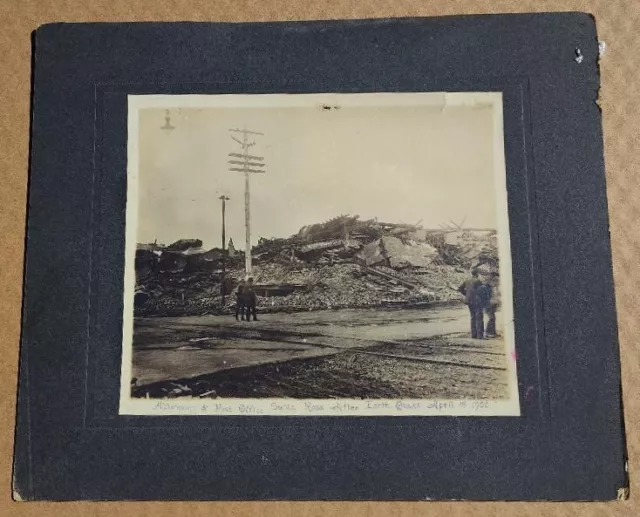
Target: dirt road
319,354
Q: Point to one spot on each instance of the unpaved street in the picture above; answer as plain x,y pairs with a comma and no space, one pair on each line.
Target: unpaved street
319,354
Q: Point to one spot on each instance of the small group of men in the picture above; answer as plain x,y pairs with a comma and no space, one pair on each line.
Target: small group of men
481,296
246,301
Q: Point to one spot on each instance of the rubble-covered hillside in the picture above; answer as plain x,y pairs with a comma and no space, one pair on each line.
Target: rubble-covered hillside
342,263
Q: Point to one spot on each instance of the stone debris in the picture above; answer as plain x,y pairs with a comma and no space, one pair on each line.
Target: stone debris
342,263
401,254
174,389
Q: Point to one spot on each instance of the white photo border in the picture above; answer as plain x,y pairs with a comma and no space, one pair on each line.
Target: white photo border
319,407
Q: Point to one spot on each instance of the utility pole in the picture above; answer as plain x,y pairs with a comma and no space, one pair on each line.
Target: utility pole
244,162
224,199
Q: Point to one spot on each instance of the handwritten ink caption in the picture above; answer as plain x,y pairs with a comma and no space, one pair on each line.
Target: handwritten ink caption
284,407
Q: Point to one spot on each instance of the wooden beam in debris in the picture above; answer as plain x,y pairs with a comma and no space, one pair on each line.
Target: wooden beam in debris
317,246
447,229
399,225
388,276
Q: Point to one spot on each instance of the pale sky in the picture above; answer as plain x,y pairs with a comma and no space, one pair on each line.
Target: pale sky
399,164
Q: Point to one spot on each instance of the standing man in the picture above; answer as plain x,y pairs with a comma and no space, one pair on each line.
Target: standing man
250,300
493,304
240,305
469,289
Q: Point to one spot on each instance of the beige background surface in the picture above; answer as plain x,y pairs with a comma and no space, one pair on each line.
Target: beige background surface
618,22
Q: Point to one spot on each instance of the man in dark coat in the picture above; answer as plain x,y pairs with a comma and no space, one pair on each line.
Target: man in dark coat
492,304
240,305
250,300
469,289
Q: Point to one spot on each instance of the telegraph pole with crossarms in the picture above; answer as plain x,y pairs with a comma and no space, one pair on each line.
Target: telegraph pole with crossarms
224,199
244,162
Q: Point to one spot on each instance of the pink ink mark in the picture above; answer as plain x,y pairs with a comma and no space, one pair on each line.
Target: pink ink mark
514,355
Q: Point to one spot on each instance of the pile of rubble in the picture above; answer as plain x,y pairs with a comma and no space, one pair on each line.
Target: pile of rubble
344,262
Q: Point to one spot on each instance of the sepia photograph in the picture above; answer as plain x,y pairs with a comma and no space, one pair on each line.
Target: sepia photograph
318,254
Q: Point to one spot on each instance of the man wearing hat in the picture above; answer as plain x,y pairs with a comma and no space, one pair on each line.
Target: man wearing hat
469,289
492,306
250,300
